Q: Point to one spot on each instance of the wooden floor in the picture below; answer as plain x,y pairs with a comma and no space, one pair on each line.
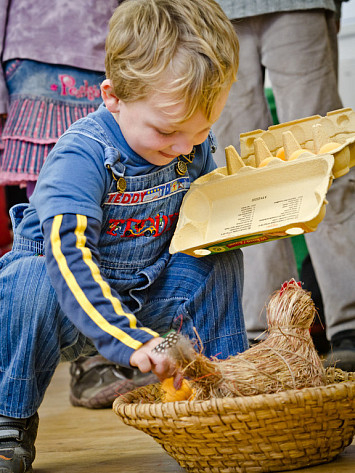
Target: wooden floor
78,440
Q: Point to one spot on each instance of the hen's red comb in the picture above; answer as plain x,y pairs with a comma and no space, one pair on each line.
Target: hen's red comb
286,284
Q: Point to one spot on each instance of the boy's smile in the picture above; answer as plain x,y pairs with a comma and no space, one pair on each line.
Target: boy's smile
154,130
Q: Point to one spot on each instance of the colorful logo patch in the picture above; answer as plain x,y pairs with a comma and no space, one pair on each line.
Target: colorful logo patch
149,195
134,227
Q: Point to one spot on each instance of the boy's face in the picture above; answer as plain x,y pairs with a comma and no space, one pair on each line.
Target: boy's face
151,130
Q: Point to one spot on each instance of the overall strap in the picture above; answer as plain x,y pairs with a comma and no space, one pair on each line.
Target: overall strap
93,130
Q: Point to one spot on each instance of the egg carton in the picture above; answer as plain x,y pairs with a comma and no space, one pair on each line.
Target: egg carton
275,189
334,133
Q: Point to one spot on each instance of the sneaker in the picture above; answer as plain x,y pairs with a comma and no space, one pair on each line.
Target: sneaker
96,382
342,354
17,439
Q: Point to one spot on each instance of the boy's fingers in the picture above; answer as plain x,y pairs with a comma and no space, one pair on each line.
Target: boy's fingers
141,361
145,359
178,380
164,370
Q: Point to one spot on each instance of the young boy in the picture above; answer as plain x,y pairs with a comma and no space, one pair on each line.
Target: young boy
90,268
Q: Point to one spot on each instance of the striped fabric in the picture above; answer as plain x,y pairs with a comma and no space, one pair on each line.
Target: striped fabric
32,128
2,123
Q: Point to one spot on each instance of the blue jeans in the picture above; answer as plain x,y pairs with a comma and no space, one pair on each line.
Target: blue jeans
36,334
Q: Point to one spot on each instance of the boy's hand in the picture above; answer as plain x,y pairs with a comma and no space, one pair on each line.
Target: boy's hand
147,360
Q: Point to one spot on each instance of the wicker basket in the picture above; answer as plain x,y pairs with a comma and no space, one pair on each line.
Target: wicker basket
263,433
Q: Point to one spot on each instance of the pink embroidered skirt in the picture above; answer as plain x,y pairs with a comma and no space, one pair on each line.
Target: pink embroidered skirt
45,100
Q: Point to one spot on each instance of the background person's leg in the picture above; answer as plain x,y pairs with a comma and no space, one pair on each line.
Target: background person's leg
246,108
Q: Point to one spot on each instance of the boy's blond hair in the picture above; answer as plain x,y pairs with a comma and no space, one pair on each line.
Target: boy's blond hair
186,49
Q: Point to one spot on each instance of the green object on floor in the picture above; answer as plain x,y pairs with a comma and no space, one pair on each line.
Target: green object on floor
298,242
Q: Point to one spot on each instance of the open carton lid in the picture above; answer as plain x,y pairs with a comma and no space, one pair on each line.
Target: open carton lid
261,196
223,212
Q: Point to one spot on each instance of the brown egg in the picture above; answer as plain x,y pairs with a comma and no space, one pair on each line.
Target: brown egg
328,147
266,161
280,153
300,152
171,394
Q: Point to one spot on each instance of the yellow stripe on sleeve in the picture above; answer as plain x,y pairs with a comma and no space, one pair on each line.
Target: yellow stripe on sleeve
95,272
79,294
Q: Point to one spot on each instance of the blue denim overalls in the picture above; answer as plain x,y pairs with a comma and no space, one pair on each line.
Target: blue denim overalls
163,291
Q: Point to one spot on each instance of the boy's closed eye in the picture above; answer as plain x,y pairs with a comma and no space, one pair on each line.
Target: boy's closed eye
165,133
202,133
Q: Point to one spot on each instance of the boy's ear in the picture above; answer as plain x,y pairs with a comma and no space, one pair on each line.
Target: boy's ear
108,96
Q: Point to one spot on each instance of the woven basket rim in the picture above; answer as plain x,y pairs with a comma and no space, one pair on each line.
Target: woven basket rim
224,405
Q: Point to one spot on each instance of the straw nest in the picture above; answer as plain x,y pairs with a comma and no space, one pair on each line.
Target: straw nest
286,359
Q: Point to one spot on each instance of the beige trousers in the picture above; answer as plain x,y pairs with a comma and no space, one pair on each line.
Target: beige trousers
299,51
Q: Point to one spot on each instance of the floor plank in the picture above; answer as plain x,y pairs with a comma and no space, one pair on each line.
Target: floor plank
78,440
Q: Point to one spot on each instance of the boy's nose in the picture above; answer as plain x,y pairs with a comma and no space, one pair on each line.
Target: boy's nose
182,147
